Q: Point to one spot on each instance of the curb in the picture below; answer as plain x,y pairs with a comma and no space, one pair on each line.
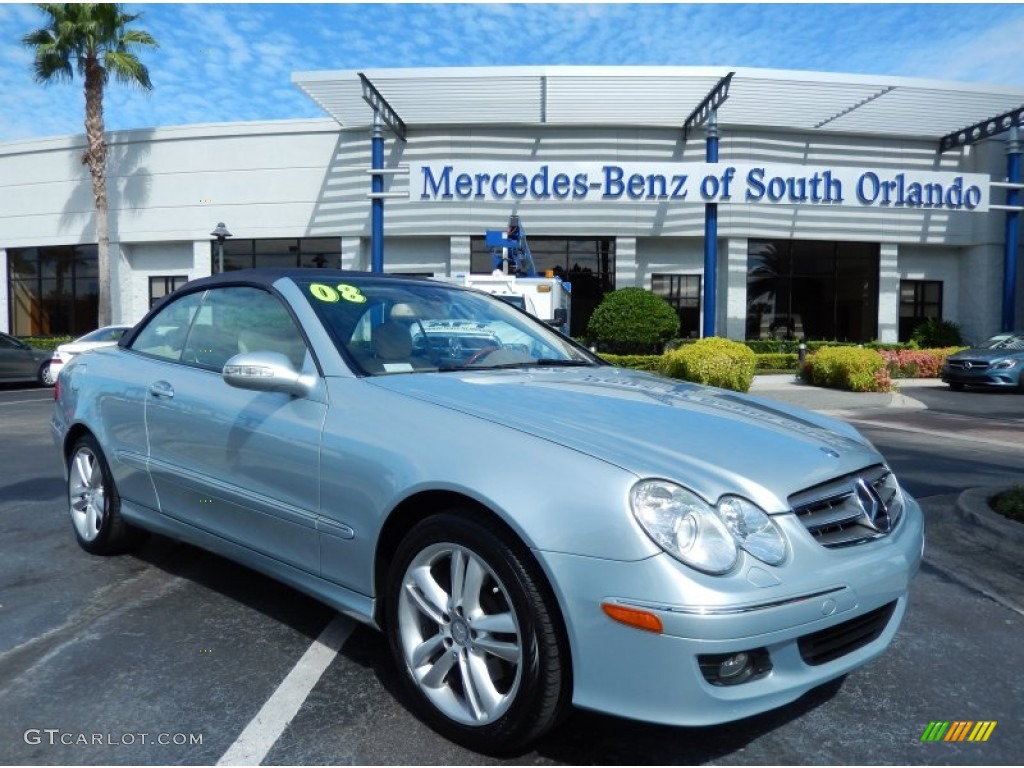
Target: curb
972,506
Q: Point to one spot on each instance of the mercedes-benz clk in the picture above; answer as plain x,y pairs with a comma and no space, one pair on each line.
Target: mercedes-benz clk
530,527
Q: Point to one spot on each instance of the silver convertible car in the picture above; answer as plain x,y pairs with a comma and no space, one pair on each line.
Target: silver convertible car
530,527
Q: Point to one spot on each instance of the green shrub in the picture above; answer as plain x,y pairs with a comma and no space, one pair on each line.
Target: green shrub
718,362
933,332
633,321
652,363
777,361
852,368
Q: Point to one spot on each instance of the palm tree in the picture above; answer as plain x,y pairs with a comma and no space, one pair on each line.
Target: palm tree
92,38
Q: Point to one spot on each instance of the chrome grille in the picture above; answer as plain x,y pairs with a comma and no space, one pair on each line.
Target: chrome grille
849,510
971,365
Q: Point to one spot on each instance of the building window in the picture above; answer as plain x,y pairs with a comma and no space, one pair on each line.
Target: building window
919,300
799,289
162,286
683,293
310,252
587,264
54,291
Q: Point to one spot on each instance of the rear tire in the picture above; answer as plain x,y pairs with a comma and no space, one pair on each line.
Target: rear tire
94,503
45,377
474,636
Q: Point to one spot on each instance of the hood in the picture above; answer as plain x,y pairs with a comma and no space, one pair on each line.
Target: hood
713,441
981,353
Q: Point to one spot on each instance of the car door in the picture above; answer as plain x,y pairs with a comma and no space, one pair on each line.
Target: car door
240,464
16,359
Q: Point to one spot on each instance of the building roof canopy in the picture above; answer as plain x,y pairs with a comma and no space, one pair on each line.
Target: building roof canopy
661,96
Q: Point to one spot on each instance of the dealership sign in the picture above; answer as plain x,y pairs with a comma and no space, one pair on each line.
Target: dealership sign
700,183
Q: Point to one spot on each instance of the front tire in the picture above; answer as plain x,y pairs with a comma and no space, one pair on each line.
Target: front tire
473,635
94,503
956,387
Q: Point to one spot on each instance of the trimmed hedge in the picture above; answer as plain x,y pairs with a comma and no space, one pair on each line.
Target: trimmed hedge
652,363
715,361
778,361
852,368
46,342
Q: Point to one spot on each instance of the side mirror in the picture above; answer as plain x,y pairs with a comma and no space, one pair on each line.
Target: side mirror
561,316
266,372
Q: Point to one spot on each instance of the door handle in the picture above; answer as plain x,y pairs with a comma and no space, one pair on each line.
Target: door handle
161,389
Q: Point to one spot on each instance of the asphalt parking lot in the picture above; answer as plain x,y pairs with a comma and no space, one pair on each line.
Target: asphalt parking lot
175,656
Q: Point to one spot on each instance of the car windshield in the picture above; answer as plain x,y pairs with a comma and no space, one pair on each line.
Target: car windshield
389,326
1005,341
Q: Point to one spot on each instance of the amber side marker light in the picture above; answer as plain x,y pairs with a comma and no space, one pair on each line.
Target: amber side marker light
633,617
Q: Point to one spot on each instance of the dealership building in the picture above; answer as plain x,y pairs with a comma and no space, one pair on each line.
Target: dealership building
760,203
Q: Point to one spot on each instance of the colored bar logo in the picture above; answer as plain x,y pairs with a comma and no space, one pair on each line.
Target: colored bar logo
958,730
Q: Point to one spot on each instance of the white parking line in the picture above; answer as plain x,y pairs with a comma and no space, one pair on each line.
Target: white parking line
37,400
263,731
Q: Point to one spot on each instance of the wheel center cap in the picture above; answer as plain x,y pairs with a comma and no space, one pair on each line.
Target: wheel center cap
460,631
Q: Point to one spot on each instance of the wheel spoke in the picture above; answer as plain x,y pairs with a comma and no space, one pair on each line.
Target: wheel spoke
472,585
458,576
92,521
507,651
426,649
495,622
439,671
83,468
427,594
481,694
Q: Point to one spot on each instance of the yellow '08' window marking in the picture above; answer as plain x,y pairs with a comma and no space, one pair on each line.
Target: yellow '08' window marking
334,294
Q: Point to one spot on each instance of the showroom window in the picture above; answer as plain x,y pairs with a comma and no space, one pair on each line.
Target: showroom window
310,252
919,300
54,291
164,285
809,289
683,293
588,264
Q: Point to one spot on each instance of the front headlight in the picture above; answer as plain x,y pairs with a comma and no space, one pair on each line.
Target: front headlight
702,536
1003,365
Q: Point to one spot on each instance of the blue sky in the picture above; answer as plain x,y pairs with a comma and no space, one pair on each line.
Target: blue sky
228,62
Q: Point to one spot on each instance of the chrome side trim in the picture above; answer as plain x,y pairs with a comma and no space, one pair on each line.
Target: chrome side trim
717,610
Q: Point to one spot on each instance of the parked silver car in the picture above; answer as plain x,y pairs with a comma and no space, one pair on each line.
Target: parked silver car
530,527
22,362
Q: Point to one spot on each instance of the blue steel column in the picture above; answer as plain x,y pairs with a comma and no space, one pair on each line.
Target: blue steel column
1012,231
377,204
711,236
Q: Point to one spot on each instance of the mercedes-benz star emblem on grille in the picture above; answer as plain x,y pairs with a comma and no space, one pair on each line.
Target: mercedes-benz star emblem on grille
968,365
876,514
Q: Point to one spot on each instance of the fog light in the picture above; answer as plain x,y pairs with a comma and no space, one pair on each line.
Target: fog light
733,668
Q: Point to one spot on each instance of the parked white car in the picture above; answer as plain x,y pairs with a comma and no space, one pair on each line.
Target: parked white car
107,336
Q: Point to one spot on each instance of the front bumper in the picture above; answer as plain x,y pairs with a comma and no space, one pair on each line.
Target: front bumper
657,678
1007,378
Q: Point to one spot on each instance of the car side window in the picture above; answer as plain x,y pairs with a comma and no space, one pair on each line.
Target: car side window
208,328
164,336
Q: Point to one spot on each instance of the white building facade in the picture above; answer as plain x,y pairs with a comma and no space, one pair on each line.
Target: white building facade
838,217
